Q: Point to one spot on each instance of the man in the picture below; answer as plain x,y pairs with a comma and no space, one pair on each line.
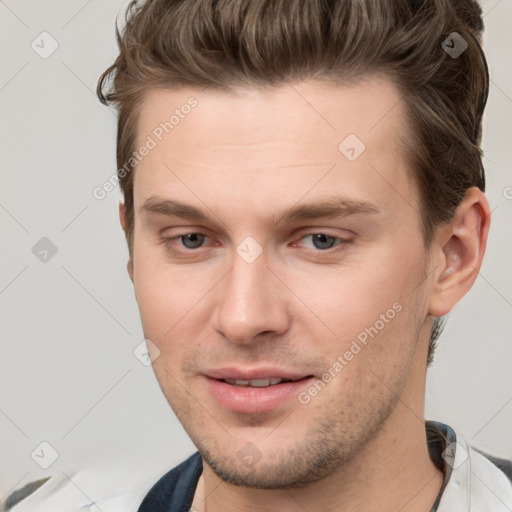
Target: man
303,201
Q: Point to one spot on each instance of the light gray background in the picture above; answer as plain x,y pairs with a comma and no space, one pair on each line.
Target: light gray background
69,326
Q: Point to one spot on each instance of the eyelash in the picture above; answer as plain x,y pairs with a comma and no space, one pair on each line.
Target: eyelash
340,242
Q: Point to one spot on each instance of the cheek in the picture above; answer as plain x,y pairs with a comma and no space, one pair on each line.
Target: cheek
354,294
174,304
163,296
370,358
367,310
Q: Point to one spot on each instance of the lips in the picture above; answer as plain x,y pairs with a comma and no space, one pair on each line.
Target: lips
255,390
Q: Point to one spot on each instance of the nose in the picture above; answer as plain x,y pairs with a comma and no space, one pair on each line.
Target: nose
252,304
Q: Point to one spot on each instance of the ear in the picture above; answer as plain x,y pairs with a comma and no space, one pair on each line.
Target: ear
458,250
122,220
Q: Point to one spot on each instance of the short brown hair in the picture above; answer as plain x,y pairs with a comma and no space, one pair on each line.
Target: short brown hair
225,44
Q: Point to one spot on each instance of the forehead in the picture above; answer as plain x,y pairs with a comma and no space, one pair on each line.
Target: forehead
367,107
282,139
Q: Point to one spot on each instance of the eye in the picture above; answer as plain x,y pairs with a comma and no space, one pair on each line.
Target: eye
191,245
192,240
322,241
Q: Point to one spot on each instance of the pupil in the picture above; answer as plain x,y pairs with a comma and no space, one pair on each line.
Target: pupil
321,241
192,240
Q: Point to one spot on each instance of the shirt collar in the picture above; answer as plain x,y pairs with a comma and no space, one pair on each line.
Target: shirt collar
471,481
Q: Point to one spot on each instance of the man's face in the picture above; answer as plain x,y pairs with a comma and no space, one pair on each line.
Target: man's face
307,253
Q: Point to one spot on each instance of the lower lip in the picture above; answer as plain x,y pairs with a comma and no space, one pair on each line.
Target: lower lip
250,399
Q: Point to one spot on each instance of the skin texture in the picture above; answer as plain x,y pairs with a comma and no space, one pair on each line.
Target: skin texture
245,158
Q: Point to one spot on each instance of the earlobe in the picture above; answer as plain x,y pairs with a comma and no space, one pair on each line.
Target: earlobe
461,246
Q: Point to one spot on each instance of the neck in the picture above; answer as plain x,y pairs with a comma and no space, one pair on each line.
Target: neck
393,471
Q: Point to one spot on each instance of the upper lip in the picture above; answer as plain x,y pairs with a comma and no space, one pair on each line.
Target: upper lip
254,373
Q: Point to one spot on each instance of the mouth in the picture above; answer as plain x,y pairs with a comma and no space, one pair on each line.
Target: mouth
256,391
260,383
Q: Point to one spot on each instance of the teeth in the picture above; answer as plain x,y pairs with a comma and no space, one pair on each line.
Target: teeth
257,383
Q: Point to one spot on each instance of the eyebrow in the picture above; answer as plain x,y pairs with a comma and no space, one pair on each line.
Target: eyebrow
327,208
174,208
